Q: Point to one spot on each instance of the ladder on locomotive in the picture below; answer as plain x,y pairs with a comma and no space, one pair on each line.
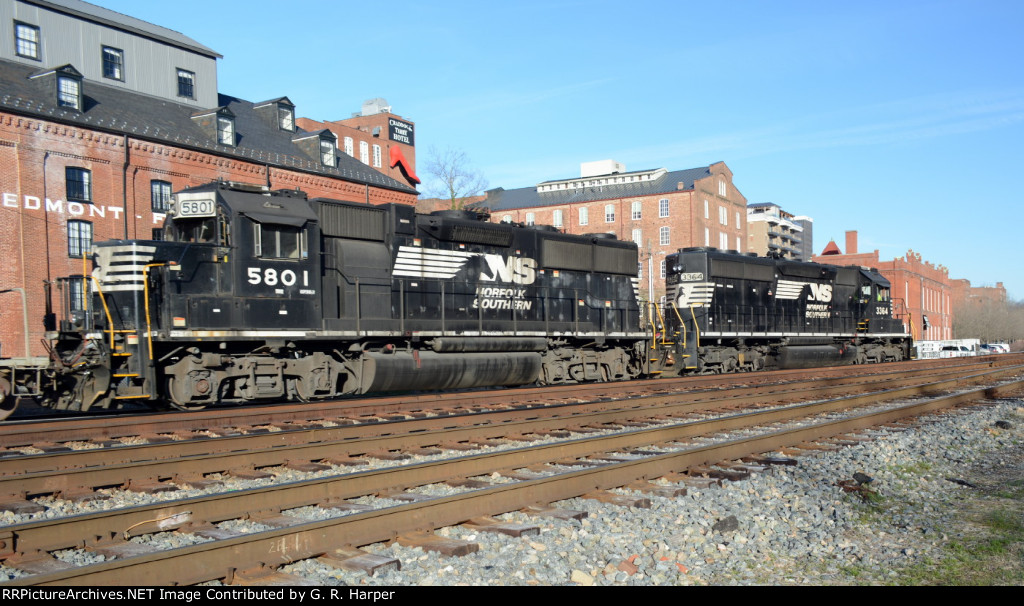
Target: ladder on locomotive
120,354
655,310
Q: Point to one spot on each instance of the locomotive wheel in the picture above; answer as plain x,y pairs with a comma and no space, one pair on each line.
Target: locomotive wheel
298,387
178,399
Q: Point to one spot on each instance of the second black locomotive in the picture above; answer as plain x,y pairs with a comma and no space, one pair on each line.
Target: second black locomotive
728,311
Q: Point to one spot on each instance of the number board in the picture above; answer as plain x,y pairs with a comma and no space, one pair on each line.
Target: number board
196,208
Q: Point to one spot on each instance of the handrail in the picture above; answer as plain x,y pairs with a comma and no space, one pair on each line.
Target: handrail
106,311
145,296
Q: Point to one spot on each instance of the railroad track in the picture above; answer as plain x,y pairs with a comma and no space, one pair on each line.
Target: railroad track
50,434
561,452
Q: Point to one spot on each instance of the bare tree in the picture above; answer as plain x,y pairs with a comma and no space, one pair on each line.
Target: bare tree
990,321
452,177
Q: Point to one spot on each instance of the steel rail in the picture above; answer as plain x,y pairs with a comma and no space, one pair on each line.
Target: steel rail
26,464
77,471
44,536
221,559
23,432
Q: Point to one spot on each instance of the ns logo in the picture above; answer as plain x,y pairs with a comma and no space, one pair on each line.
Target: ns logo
820,292
518,270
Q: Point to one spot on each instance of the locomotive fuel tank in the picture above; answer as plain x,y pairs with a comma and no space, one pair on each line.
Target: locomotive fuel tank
812,356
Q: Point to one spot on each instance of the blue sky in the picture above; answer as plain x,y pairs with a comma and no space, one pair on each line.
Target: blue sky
901,120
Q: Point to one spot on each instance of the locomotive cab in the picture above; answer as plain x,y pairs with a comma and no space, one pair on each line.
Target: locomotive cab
245,260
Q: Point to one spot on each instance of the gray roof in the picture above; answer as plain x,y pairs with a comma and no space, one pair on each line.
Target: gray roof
123,112
527,197
116,20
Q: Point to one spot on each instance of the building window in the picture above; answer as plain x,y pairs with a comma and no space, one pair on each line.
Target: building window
349,149
327,152
637,210
79,184
723,241
584,216
663,236
609,213
638,236
640,271
737,219
113,63
186,84
364,152
506,219
376,156
160,196
721,188
556,218
707,237
225,130
79,238
663,208
707,215
69,92
738,244
158,233
26,40
664,268
286,118
530,218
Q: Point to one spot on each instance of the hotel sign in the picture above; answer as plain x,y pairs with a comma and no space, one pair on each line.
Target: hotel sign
400,131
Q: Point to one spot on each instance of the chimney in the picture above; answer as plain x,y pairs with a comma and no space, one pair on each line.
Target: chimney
851,242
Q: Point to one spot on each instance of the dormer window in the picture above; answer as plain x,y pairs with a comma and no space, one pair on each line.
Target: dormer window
218,124
286,117
278,112
69,92
225,130
64,83
321,145
327,151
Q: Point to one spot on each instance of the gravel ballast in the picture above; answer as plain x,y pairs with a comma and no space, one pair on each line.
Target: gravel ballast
787,525
784,525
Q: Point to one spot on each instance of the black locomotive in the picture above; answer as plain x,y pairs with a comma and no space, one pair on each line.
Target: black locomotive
266,295
260,295
733,312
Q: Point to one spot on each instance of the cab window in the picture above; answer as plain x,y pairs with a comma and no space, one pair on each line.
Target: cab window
195,230
279,241
200,230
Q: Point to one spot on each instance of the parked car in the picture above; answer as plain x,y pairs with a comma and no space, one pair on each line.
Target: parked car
987,349
955,351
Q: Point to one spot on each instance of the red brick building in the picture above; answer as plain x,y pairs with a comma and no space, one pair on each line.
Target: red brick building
98,129
924,288
376,137
964,293
661,210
